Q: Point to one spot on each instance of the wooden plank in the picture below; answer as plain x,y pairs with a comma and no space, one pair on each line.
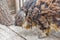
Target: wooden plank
32,35
7,34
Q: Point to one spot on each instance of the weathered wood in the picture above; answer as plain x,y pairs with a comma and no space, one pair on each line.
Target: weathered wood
5,17
7,34
17,5
11,5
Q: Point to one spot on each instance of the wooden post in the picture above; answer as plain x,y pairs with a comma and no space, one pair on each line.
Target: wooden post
17,5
